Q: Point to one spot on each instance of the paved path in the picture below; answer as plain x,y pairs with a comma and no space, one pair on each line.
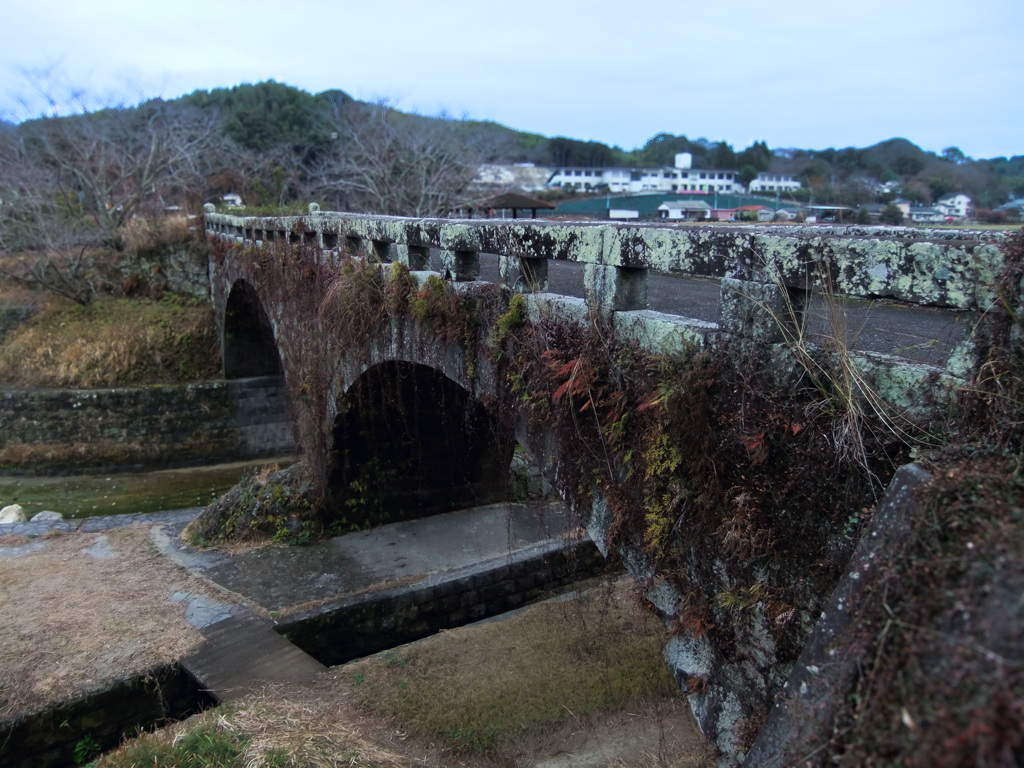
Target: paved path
242,653
278,579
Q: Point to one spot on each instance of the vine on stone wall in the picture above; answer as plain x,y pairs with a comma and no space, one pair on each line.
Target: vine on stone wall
727,487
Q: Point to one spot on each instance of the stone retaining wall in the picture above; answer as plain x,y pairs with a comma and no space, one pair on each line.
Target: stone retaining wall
358,627
47,739
182,269
54,431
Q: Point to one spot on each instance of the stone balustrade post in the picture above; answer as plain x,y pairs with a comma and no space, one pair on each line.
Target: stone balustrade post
524,275
462,266
614,289
415,257
767,312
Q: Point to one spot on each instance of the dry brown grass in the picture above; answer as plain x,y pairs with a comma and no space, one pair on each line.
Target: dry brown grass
146,235
111,342
70,621
520,687
13,296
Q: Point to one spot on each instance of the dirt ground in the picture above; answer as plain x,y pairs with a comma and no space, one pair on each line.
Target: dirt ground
78,609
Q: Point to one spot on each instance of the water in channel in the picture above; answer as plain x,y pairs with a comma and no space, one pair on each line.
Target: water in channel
129,493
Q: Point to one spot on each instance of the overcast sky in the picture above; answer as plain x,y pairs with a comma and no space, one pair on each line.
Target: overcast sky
798,73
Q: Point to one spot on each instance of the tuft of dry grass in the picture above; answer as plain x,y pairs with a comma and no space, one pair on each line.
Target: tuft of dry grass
148,235
72,619
111,342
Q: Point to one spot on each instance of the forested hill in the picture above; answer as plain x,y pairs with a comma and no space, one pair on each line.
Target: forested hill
272,144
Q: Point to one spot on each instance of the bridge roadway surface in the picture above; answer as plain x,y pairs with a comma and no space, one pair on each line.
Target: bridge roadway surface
917,334
411,560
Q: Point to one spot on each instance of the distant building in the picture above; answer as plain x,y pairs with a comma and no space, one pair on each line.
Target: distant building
752,212
689,210
773,182
1014,208
679,178
926,214
957,206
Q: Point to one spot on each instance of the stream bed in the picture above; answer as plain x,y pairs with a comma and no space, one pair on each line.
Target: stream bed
90,495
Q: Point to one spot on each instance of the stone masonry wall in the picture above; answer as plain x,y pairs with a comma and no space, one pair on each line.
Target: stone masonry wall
358,627
184,270
47,739
55,431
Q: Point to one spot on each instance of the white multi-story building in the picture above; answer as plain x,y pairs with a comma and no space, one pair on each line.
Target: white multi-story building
774,182
957,206
679,178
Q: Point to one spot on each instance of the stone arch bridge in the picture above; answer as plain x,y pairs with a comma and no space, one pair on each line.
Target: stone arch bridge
903,304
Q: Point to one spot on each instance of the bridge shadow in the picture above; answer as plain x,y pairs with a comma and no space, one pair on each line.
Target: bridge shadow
409,442
249,347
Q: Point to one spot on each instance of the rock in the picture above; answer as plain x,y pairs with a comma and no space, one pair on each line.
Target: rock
13,514
47,516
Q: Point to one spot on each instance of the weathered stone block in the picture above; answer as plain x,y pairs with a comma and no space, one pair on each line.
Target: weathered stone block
461,266
613,289
765,312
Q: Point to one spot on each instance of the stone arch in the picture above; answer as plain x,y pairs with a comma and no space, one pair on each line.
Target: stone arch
248,343
409,441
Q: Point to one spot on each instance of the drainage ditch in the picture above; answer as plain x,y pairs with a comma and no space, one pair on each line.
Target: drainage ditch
347,629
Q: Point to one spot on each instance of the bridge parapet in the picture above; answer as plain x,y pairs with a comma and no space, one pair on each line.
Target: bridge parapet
767,274
940,268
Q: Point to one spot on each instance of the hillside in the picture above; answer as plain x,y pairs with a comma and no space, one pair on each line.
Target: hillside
273,144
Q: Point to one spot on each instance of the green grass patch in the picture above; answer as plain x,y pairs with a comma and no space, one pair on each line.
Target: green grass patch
112,342
207,745
497,687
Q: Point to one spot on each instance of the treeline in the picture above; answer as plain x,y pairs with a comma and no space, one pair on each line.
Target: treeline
273,144
70,184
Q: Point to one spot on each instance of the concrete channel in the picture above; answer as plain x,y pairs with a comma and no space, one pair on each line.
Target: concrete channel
286,613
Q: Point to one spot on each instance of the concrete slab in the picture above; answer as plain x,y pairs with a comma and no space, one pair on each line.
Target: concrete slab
242,653
281,578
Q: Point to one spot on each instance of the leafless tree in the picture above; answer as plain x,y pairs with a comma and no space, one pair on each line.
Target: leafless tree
69,185
384,161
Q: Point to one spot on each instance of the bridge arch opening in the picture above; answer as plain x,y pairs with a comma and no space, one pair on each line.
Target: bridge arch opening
249,347
409,442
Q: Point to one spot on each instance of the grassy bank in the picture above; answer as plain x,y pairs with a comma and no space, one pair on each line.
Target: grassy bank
111,342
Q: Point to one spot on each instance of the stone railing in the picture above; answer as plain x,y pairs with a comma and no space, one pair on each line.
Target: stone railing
765,271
